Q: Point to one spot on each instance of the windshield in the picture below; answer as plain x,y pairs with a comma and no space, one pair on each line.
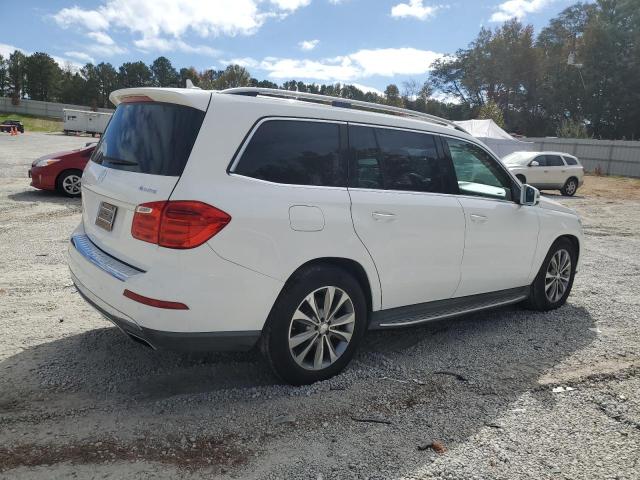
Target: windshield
149,137
517,158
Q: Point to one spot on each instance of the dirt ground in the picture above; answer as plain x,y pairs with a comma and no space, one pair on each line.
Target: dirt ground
507,394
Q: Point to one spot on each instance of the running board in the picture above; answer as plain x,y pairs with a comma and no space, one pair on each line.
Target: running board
438,310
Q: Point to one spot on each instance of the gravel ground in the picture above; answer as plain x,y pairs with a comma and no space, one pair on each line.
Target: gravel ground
476,397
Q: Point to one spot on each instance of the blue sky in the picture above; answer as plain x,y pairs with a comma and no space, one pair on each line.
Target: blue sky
366,42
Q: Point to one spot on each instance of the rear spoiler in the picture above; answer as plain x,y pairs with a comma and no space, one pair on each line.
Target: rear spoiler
181,96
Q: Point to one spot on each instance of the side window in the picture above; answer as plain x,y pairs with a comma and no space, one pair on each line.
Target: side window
410,162
570,160
294,152
554,161
365,169
477,172
541,159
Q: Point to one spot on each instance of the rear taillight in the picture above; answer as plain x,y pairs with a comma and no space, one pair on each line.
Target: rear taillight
177,224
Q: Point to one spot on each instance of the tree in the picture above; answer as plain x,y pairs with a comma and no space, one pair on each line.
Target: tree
392,95
4,77
572,129
15,70
188,73
233,76
108,81
134,74
42,75
164,75
490,110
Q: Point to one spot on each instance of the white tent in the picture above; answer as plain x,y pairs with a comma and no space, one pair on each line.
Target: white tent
494,137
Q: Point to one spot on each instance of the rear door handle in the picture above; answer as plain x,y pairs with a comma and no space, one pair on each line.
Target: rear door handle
478,218
383,215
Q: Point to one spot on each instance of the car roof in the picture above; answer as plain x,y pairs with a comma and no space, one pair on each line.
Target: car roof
525,154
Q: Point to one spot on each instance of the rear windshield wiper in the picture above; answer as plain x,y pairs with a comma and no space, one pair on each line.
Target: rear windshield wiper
117,161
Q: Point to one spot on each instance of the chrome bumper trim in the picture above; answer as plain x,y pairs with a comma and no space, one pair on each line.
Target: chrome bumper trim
102,260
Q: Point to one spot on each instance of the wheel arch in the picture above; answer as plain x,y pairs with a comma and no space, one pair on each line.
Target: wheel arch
574,241
349,265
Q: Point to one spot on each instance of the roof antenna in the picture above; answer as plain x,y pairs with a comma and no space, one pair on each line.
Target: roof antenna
189,84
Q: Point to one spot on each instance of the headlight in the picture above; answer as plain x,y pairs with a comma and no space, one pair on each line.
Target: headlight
46,161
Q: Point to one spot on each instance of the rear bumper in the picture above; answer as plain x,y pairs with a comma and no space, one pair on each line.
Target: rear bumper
174,341
227,304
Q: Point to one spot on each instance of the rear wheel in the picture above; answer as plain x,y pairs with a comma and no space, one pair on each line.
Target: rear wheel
553,283
315,326
570,187
69,183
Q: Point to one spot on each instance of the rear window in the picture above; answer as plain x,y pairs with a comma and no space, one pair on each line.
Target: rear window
570,160
153,138
294,152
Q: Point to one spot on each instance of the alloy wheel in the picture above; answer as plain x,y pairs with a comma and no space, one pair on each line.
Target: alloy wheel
321,328
571,187
558,276
71,184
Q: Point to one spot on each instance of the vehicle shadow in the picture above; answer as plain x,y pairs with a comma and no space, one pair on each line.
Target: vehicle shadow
444,380
44,196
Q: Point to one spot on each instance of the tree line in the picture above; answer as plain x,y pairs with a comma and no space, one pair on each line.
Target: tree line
580,76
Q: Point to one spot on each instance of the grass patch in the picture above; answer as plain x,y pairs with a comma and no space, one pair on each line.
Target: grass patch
34,124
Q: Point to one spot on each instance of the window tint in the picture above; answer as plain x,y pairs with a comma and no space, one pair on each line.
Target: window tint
477,173
542,160
294,152
554,161
570,160
150,137
396,160
366,158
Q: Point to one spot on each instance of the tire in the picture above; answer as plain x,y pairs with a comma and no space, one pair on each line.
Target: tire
68,183
522,179
542,296
286,325
570,187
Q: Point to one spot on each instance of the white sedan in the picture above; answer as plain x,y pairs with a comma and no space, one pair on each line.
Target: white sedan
547,170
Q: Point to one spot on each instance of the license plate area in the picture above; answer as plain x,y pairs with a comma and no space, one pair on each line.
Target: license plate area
106,216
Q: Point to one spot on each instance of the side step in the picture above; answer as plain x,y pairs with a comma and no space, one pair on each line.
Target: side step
452,307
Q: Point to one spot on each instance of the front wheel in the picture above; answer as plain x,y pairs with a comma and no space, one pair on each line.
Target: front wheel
69,183
315,326
553,283
570,187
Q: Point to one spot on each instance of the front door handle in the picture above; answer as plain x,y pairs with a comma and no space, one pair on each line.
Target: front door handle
478,218
383,216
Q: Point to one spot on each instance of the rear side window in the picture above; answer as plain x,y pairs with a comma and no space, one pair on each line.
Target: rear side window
294,152
554,161
570,160
397,160
149,137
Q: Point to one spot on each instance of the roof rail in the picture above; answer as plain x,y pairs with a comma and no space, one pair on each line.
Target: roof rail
342,103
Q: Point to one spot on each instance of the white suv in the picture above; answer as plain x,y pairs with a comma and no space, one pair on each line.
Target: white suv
547,170
226,220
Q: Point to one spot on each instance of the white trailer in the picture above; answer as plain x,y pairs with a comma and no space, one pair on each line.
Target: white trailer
82,121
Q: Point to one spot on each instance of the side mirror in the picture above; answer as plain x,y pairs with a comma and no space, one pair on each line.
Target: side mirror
529,195
534,163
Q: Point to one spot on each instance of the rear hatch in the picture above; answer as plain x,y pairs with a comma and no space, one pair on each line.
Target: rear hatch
139,159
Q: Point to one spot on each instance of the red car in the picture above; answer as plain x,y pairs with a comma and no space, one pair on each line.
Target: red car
61,171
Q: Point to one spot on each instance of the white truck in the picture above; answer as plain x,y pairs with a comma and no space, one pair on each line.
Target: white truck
81,121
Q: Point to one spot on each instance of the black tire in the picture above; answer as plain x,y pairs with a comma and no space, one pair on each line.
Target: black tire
276,333
62,185
538,298
570,187
522,179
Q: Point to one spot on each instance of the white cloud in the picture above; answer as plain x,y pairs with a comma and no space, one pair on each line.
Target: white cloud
90,19
415,9
517,9
307,45
386,62
101,37
6,50
366,89
81,56
290,5
159,44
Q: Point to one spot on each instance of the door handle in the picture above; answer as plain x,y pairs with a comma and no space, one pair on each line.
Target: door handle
383,215
478,218
546,171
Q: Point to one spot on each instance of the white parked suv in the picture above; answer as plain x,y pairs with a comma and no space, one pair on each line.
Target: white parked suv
547,170
226,220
